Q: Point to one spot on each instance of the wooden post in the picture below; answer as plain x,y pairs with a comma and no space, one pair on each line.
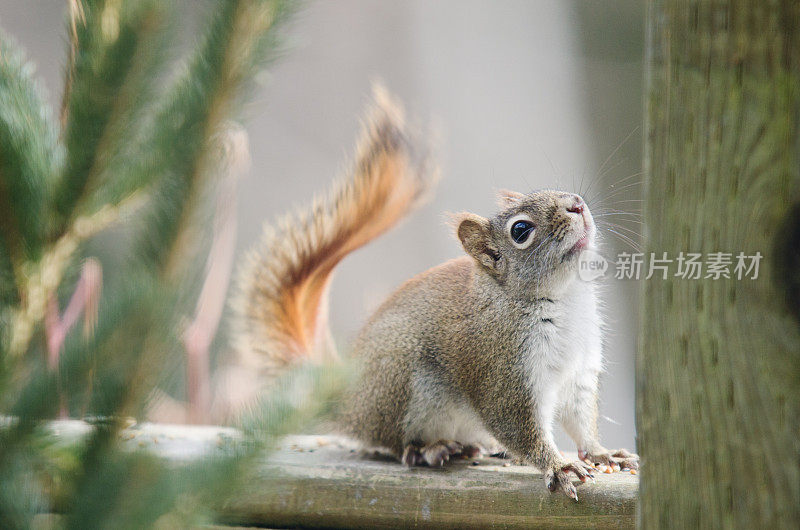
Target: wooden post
718,370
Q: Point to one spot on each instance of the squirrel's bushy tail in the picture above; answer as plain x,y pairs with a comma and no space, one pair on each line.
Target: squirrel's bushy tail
281,307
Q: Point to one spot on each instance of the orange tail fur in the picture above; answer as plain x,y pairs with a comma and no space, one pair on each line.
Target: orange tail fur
281,308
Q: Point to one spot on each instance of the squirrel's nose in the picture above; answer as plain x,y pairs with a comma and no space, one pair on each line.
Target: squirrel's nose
577,206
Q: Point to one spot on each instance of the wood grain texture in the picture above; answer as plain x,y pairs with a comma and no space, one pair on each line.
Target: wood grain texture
718,371
318,482
313,481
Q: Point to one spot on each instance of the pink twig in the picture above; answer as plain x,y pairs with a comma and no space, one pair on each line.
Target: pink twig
198,335
84,299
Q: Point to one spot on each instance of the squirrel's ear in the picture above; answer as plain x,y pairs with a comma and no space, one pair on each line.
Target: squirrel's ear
508,198
475,235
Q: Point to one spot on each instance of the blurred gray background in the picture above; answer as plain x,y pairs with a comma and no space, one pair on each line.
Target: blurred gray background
527,94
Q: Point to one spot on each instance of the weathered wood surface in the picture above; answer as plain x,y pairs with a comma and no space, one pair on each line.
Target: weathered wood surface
318,481
325,482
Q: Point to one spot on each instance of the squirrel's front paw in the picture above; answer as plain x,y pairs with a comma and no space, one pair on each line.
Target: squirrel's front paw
619,458
557,478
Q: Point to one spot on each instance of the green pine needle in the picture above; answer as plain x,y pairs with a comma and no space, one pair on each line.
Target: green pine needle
122,132
29,157
119,50
241,38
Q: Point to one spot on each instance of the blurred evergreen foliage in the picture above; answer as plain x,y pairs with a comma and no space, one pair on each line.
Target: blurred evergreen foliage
133,144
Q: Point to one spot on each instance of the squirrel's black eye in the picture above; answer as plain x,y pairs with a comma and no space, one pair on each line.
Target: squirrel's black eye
520,231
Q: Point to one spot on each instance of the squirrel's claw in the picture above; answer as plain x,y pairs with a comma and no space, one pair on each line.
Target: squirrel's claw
581,469
557,479
620,457
437,453
626,459
411,456
471,451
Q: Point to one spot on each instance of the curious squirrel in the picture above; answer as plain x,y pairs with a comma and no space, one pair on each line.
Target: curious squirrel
495,345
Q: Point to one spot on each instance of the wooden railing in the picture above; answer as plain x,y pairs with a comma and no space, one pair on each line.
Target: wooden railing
325,481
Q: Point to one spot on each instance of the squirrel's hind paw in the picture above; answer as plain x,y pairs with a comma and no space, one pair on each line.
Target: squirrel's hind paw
437,453
433,455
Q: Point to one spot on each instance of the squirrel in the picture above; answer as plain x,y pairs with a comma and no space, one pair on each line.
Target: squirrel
494,346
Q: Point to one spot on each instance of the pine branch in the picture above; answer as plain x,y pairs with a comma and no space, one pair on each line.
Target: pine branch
45,275
118,148
29,157
241,38
77,17
117,51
